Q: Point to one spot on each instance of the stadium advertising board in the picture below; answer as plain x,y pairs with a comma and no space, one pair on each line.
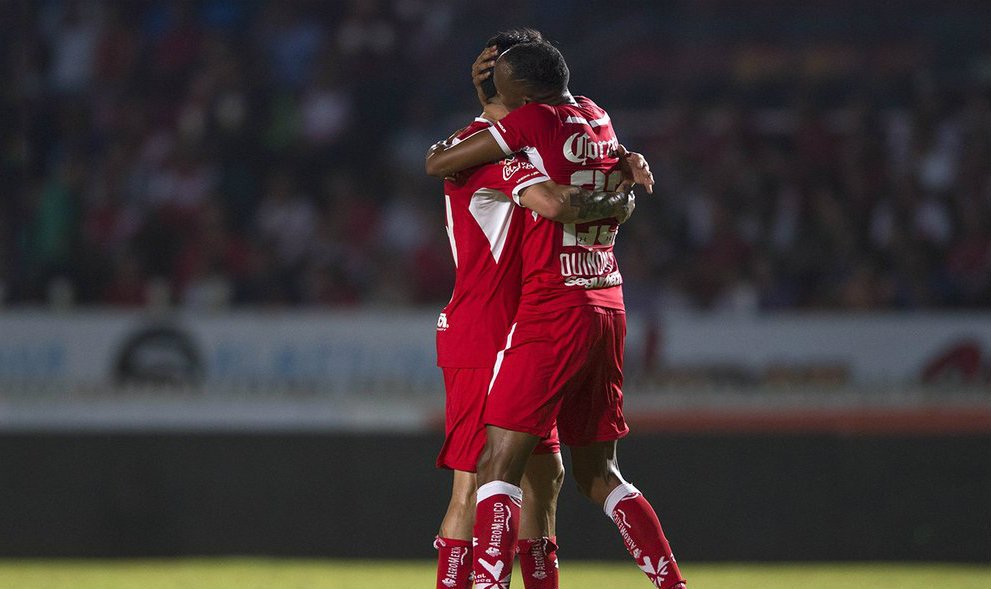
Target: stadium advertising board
372,351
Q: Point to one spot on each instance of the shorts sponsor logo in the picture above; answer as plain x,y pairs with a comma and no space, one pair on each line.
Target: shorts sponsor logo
442,324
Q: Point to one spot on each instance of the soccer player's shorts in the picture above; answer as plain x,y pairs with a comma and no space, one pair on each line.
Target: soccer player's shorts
564,366
464,432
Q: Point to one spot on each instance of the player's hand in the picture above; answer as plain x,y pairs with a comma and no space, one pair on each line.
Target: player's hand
439,146
635,170
628,207
482,70
458,178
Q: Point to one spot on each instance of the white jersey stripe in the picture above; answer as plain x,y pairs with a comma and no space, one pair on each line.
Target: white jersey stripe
583,121
521,187
499,356
450,229
502,142
493,212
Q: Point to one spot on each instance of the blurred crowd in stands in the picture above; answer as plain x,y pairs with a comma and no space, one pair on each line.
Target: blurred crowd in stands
270,153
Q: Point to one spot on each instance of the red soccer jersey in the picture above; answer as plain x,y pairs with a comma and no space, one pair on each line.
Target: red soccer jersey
485,229
566,265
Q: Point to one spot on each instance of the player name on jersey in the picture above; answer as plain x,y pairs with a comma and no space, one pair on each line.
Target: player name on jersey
573,264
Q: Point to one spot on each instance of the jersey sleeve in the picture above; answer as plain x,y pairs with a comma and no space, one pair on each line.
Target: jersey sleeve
479,124
524,127
520,173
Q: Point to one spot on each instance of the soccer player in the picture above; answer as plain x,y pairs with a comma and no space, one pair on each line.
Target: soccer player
485,229
563,356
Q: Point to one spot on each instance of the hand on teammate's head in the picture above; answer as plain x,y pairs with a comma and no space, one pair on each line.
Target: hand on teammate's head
481,70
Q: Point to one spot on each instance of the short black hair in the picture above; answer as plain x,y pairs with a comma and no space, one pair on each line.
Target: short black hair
540,66
503,41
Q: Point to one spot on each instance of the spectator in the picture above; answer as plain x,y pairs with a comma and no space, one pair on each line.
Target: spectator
270,153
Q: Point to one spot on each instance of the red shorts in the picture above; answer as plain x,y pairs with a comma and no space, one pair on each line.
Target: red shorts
565,366
464,432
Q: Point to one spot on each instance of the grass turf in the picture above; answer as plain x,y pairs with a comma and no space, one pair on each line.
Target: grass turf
333,574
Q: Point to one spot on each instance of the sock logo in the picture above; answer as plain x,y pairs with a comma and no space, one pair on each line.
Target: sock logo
455,563
620,518
495,573
655,573
538,553
501,516
493,552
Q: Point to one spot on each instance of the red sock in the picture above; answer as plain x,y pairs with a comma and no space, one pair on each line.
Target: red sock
538,562
453,563
497,525
643,536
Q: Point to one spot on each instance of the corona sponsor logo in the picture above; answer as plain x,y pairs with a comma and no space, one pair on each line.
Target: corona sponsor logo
579,148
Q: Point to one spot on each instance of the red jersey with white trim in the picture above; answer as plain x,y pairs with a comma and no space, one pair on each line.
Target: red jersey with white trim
566,265
485,228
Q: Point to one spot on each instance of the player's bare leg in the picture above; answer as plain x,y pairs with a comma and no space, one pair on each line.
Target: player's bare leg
453,541
497,513
541,486
505,455
596,470
460,516
537,546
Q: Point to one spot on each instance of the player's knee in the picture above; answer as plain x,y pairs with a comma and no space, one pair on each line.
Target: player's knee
596,485
463,500
558,479
585,484
493,465
462,506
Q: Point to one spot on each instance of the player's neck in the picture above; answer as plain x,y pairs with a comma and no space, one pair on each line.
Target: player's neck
556,99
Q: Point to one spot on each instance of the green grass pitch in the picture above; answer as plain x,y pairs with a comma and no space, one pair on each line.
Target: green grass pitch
368,574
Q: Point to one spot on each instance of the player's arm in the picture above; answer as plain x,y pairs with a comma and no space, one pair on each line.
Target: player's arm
572,204
445,159
515,131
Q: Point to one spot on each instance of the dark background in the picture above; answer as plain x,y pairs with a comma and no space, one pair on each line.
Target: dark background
721,497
